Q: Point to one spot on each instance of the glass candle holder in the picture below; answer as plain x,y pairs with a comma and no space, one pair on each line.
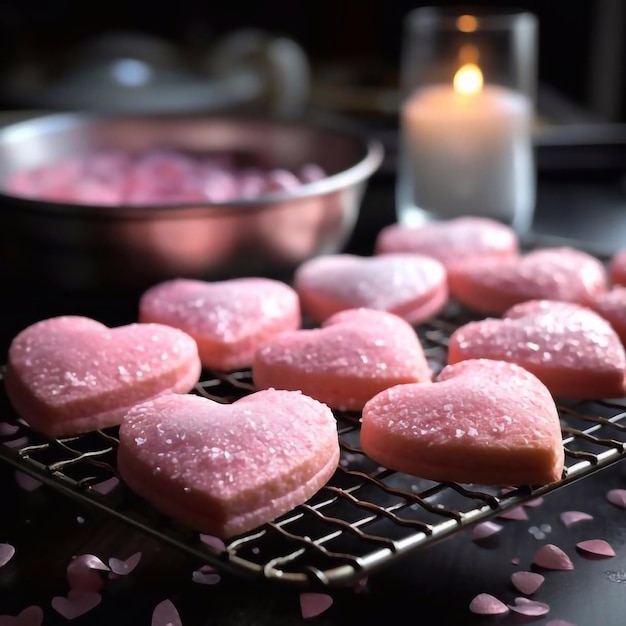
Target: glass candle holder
468,81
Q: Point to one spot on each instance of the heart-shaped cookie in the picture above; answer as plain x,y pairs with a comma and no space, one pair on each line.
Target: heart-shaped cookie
224,469
495,285
617,268
484,422
229,319
356,354
409,285
612,307
67,375
571,349
451,241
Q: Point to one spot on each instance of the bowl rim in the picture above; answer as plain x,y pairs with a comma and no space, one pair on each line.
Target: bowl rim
353,175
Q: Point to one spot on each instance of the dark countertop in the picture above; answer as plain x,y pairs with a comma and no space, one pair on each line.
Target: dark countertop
439,581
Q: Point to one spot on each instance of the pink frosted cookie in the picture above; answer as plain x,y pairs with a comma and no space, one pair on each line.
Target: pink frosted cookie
409,285
571,349
483,422
356,354
612,307
495,285
67,375
229,319
224,469
452,241
617,268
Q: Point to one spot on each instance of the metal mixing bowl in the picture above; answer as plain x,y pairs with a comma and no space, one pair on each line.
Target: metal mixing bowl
85,248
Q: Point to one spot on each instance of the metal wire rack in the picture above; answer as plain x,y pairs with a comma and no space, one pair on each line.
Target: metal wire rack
364,518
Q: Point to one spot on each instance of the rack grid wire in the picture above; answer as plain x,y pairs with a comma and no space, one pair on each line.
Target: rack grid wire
364,518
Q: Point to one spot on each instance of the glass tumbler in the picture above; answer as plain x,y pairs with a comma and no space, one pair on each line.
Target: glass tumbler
468,82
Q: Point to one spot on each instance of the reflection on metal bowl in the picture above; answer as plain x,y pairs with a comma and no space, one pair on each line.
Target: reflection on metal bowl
110,248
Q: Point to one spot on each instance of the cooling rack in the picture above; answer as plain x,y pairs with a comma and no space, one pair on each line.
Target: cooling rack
363,519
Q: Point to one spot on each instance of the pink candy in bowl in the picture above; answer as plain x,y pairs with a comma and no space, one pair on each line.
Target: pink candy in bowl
115,203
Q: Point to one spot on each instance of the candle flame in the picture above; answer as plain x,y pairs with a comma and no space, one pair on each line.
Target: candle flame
468,79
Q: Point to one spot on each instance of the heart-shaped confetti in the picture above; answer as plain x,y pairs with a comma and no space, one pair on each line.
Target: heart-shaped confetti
314,604
248,461
71,374
6,553
411,286
82,573
530,608
495,285
552,557
228,319
484,530
617,497
30,616
166,614
451,242
214,542
534,503
517,514
106,486
569,518
483,422
7,429
486,604
527,582
571,349
596,547
206,575
124,567
26,481
76,603
357,354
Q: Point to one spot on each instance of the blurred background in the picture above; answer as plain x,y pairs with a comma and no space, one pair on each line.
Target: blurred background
197,55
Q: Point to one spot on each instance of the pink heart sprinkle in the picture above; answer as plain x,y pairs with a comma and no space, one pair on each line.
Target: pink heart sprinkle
214,542
123,568
486,604
16,443
552,557
517,514
6,429
534,503
206,575
617,497
597,547
76,604
26,481
81,574
527,582
6,553
515,560
313,604
484,530
569,518
559,622
165,614
106,486
531,608
30,616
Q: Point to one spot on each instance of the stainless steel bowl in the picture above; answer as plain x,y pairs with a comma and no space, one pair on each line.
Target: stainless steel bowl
85,248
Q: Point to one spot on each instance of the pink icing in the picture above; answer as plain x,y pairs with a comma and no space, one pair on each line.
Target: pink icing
356,354
229,319
617,268
571,349
72,374
225,469
410,285
486,422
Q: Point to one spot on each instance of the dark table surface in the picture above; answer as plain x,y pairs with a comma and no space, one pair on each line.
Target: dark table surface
582,200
